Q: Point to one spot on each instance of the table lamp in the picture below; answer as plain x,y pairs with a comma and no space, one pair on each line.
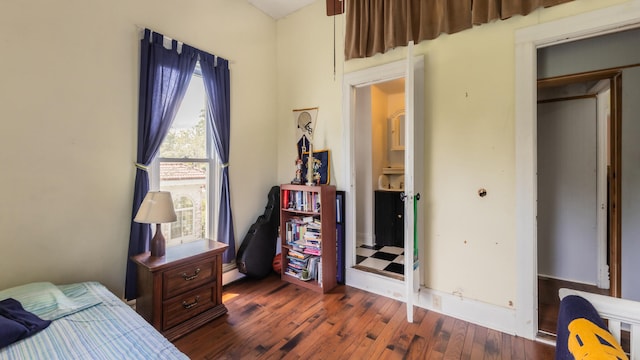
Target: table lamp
156,208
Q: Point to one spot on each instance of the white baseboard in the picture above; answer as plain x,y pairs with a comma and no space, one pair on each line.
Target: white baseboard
364,238
473,311
374,283
231,276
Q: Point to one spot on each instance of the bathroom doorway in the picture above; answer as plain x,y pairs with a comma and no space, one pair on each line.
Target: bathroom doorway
380,181
394,93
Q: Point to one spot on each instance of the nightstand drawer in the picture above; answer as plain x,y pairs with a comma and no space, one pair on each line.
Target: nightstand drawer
187,306
177,281
182,290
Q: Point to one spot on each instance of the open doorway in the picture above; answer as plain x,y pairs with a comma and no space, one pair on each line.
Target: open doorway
359,169
577,217
380,178
596,25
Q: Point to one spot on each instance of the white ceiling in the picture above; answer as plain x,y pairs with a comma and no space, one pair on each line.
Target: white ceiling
279,8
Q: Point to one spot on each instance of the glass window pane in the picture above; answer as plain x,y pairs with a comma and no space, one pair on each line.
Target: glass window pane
187,136
188,183
182,167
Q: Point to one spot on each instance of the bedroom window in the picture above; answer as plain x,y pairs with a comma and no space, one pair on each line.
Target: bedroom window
187,167
183,229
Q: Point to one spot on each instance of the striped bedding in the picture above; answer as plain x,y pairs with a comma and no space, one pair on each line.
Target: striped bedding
103,328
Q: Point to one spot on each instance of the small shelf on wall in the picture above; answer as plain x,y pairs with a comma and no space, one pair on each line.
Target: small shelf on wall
393,170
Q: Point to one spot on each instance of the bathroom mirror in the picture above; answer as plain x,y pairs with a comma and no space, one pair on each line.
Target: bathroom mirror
396,130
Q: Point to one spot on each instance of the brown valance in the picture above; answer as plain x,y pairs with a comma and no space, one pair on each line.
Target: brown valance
376,26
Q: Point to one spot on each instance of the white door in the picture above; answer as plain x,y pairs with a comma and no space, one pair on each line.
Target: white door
413,165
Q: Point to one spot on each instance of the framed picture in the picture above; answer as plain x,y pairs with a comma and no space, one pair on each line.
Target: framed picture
321,167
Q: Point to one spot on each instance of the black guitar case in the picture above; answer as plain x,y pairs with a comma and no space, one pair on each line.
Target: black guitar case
258,248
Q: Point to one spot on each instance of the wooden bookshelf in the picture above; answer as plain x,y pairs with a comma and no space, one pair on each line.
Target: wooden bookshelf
308,213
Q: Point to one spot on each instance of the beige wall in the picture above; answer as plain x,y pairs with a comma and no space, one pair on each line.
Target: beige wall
305,71
68,99
469,104
68,129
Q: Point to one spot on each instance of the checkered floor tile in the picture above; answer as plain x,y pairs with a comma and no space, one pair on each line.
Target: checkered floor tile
382,259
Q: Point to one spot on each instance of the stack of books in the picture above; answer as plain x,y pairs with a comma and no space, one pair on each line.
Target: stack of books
311,240
295,229
303,235
297,263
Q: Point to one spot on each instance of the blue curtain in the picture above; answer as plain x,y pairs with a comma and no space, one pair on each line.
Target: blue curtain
164,78
215,75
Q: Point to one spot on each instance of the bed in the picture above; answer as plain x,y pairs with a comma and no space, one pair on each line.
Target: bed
87,322
622,321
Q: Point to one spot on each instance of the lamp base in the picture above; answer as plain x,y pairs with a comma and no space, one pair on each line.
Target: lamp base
157,244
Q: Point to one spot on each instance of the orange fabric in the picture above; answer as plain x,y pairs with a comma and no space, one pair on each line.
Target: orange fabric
586,342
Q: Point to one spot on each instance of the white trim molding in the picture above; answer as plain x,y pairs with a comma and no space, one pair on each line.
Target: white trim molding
231,276
527,41
491,316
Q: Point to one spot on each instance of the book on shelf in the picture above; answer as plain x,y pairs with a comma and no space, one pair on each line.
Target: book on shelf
299,229
313,242
311,235
311,251
312,247
308,269
301,200
292,272
298,264
339,209
297,254
295,265
313,267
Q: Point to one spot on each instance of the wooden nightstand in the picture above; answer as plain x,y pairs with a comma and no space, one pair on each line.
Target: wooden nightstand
182,290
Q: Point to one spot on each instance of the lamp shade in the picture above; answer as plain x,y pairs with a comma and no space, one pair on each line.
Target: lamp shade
156,208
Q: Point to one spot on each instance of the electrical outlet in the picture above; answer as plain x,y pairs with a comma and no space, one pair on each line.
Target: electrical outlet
437,302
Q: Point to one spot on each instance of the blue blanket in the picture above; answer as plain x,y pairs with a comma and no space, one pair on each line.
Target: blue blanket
582,334
16,323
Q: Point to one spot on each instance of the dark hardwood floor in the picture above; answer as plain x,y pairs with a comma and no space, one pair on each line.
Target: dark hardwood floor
549,302
271,319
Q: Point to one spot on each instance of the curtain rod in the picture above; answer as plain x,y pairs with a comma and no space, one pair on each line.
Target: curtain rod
141,30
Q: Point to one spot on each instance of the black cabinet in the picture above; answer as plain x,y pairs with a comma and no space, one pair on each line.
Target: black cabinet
389,219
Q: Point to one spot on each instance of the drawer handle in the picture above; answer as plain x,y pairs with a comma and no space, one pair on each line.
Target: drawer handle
191,277
187,305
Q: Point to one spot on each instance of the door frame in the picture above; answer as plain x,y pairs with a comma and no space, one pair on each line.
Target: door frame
527,40
374,283
608,276
575,124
